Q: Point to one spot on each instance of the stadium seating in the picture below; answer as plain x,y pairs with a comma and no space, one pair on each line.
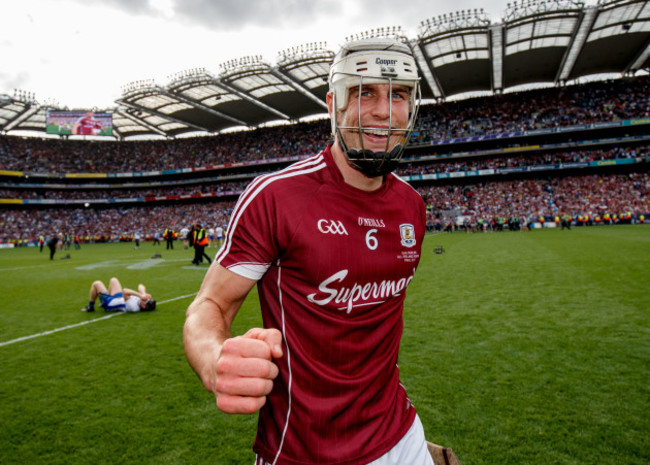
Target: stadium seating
579,150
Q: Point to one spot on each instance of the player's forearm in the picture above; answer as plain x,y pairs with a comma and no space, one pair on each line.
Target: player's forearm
130,292
209,320
204,332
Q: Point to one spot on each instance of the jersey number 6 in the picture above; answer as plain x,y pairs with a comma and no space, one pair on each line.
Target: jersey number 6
371,240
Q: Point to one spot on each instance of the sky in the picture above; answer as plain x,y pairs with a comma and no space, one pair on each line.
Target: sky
80,53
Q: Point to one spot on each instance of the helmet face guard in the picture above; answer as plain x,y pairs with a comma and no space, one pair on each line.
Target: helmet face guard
366,62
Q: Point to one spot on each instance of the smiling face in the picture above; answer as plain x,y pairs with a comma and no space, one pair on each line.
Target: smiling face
372,125
373,100
376,117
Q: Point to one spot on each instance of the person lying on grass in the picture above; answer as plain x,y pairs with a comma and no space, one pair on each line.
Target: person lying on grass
119,299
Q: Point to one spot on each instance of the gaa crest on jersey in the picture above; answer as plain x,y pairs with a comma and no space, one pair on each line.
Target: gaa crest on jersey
331,227
407,234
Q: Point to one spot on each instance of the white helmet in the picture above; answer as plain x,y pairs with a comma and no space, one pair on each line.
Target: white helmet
373,61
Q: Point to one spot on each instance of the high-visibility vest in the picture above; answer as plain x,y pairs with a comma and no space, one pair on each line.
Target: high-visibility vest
201,237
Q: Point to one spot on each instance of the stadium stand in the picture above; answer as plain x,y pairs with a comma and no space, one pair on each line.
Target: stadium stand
554,42
470,174
579,150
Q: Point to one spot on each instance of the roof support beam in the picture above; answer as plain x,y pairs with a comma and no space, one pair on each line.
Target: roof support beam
253,100
162,115
496,56
26,113
578,40
425,65
142,122
298,87
203,107
638,61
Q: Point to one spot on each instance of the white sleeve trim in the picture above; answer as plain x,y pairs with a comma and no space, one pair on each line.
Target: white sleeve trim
253,271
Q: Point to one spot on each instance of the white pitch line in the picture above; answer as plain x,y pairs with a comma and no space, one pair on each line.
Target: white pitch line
179,298
76,325
21,268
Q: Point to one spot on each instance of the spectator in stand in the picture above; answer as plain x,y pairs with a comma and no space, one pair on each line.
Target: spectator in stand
603,101
587,194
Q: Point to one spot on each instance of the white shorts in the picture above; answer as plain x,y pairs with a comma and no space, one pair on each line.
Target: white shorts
411,449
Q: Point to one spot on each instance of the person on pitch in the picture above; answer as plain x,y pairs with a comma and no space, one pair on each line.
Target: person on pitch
119,299
200,241
332,242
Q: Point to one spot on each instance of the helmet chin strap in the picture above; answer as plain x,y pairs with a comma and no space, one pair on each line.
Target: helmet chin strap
372,164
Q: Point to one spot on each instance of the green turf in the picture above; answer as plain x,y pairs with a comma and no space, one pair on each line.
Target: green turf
519,348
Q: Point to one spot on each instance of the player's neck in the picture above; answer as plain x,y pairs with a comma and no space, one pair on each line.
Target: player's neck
353,176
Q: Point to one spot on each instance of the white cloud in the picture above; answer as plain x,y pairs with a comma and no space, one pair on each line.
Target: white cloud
81,53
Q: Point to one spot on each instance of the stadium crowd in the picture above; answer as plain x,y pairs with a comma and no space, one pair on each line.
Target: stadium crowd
529,199
26,225
217,188
538,109
595,102
550,195
78,156
523,160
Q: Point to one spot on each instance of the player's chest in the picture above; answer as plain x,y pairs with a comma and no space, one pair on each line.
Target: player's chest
371,241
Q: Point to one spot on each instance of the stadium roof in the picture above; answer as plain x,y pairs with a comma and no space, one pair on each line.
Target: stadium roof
538,42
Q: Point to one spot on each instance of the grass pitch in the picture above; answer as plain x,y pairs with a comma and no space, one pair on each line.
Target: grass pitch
519,348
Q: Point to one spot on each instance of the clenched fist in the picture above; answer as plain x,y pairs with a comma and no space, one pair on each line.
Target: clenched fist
245,370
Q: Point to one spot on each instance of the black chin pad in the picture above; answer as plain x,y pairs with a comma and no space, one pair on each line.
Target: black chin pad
374,164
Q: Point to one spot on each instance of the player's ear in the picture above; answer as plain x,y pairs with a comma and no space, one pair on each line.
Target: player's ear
329,100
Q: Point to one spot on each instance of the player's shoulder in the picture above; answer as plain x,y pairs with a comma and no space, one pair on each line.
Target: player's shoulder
297,177
402,188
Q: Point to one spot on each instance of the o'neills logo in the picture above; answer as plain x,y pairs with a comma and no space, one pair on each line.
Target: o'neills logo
372,222
384,61
333,289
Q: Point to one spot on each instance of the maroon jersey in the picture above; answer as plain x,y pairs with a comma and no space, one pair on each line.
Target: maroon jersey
89,126
333,263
